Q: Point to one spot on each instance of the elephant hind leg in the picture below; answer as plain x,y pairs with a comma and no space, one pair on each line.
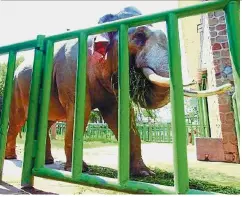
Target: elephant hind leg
11,142
48,156
17,118
15,125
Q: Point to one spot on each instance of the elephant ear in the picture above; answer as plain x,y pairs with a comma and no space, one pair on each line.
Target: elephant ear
101,44
104,41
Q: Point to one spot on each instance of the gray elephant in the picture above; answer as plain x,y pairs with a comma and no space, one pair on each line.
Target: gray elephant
149,85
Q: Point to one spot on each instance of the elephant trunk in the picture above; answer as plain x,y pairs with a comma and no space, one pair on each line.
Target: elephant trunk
165,82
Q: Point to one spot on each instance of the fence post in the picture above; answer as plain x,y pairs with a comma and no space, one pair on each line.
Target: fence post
6,107
181,180
80,106
42,124
232,12
124,106
30,148
236,119
201,115
205,108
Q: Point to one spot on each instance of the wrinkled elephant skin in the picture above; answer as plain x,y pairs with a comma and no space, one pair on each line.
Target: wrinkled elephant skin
147,48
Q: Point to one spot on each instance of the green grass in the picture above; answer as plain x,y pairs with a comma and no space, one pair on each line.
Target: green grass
167,178
59,142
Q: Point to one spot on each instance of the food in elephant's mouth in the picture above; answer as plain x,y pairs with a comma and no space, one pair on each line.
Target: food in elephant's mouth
140,87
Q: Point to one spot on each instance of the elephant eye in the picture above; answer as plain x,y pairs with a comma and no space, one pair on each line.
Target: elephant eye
140,38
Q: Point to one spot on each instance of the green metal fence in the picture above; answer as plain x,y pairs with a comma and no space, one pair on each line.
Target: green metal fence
34,154
149,132
236,118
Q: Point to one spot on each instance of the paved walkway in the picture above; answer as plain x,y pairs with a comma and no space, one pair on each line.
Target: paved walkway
153,154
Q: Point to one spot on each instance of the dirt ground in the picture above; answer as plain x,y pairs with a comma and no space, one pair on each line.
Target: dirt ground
154,155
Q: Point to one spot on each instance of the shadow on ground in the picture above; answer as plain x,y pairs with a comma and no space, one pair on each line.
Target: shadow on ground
6,188
18,163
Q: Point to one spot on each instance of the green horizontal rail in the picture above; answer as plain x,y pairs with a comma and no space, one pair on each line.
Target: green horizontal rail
109,183
130,22
31,44
144,19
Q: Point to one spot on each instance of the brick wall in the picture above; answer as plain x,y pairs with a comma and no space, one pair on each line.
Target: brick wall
206,59
221,70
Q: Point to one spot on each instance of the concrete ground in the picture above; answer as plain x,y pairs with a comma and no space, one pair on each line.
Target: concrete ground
154,155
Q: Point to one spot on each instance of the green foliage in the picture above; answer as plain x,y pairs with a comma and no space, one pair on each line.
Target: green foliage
19,60
141,113
3,72
191,109
95,117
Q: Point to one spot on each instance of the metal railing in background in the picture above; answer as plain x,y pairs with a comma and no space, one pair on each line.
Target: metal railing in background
149,132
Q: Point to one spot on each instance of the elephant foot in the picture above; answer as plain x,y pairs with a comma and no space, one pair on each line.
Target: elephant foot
11,157
49,160
84,167
10,154
139,169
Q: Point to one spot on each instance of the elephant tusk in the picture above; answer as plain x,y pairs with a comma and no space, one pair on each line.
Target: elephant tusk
156,79
210,92
190,83
165,82
160,81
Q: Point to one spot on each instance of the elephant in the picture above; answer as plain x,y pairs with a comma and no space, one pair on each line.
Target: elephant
149,86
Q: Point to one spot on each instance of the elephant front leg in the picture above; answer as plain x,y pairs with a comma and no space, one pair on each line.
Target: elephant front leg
69,136
137,166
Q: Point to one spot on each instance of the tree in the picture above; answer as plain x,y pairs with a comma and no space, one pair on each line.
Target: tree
191,109
95,117
3,72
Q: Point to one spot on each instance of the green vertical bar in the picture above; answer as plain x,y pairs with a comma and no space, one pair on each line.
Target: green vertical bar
181,180
206,121
192,135
27,177
205,109
237,121
169,133
187,132
232,11
123,103
201,114
8,89
162,134
80,101
44,106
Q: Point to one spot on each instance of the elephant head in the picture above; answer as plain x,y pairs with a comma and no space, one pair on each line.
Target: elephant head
148,61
